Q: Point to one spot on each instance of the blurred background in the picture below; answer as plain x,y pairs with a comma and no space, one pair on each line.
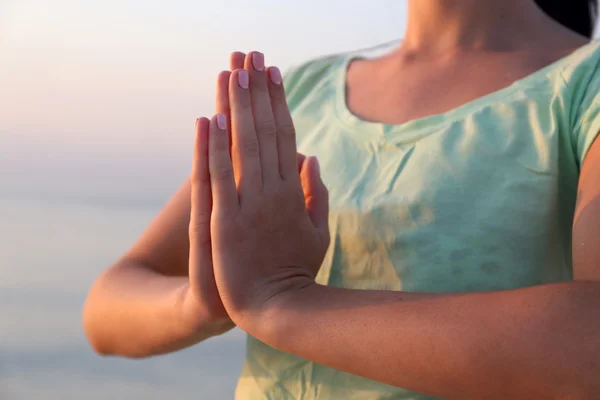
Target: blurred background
97,107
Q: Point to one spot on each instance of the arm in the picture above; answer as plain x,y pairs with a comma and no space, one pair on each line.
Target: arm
540,342
161,296
534,343
146,304
138,307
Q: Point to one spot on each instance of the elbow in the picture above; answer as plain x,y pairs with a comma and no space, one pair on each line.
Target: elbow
102,342
98,346
93,315
106,333
93,331
97,323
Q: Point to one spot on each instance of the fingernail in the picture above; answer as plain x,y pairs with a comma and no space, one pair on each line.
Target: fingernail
258,61
243,79
275,75
221,122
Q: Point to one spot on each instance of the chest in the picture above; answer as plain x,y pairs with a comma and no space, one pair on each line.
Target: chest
475,204
413,90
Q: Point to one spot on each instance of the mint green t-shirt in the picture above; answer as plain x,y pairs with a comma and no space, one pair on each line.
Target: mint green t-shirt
475,199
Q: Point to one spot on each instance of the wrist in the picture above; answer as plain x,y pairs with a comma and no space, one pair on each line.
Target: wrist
200,318
277,318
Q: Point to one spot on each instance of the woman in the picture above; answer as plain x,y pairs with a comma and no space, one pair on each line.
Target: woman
458,258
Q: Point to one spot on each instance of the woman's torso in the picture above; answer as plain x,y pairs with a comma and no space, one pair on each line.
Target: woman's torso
478,198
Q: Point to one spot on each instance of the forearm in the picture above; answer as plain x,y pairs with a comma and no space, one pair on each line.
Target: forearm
538,342
135,312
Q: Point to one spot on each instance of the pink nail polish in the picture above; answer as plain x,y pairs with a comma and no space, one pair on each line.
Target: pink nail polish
275,75
258,61
243,79
221,122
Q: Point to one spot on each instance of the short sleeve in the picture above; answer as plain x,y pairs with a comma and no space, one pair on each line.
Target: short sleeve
291,76
587,124
301,81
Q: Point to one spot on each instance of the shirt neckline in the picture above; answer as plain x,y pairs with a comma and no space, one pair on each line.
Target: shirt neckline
412,130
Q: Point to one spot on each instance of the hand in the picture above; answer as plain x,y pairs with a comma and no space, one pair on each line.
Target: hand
267,237
204,296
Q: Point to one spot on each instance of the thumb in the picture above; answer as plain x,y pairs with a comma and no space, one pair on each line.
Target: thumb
316,196
300,159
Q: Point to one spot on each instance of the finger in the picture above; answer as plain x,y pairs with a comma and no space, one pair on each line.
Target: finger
245,148
316,197
201,272
201,202
222,95
286,135
224,193
236,60
264,122
222,100
300,158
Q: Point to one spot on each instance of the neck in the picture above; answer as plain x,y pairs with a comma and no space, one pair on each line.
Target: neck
442,26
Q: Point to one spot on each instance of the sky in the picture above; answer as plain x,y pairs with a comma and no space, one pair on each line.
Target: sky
98,100
102,90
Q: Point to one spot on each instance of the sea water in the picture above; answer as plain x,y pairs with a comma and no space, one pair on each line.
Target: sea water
51,249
